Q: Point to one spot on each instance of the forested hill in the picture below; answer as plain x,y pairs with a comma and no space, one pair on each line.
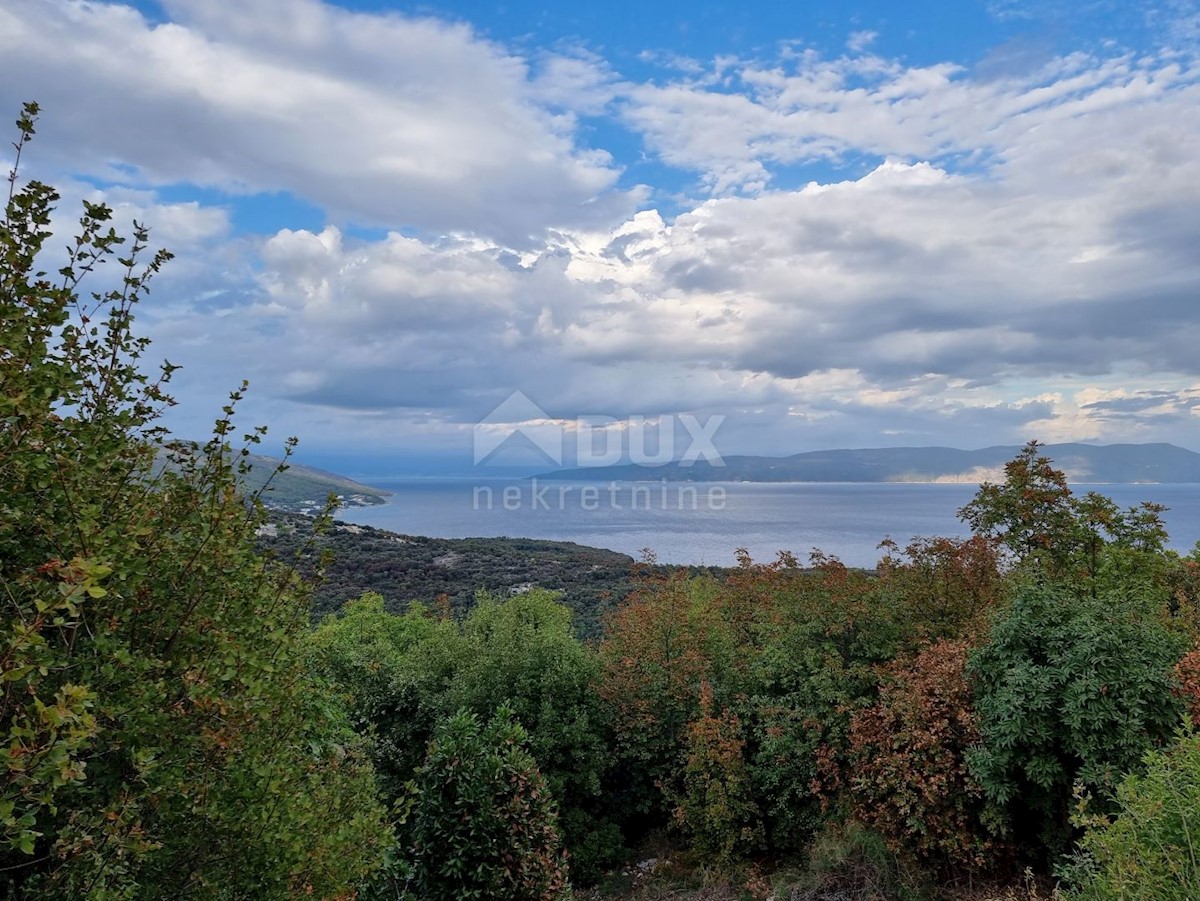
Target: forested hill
302,487
1113,463
407,568
298,488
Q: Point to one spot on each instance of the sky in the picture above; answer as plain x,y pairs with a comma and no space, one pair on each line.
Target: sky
829,224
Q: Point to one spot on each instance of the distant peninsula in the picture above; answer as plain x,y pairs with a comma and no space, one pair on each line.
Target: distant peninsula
305,489
1083,463
298,488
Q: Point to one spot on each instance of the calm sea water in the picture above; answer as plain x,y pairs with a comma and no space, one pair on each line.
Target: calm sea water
705,523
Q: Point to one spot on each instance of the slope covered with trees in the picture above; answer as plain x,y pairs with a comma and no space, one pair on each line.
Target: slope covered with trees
406,568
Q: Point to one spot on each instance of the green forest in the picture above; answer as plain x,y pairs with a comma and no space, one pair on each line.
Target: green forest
1001,716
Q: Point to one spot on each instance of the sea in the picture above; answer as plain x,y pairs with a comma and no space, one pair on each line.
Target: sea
706,523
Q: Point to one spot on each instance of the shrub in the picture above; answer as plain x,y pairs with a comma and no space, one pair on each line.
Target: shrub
1069,688
1187,674
520,652
819,642
909,778
657,650
800,717
940,587
369,657
848,860
717,809
1148,852
478,820
403,674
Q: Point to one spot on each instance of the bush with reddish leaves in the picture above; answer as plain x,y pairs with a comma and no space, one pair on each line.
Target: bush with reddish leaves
717,808
1187,672
941,587
909,778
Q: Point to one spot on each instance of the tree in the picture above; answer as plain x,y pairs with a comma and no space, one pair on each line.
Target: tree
161,733
1045,526
1069,689
1030,513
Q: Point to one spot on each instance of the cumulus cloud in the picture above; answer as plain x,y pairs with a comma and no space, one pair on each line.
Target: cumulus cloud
825,306
1011,254
382,120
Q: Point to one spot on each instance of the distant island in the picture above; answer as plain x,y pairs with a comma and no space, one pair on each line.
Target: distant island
1086,463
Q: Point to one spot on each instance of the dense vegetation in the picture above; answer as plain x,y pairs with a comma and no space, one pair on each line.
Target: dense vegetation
174,726
448,571
162,734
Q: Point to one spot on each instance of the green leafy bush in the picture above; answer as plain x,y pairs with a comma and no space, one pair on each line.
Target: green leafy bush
393,693
1149,851
520,652
1069,688
478,820
404,674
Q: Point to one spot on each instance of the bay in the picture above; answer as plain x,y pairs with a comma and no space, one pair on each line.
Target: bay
705,523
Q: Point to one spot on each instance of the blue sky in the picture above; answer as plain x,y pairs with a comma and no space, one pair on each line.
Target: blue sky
831,224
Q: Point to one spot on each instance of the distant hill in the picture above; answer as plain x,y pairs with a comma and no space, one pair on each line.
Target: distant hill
304,489
1111,463
300,487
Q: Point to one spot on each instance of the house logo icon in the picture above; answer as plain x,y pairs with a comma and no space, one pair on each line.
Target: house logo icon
518,420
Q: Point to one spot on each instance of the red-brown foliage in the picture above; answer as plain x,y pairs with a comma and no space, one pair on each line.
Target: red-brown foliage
717,807
656,653
909,777
946,585
1187,671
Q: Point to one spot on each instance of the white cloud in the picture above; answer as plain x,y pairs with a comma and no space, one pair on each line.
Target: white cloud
380,119
924,303
756,117
861,40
